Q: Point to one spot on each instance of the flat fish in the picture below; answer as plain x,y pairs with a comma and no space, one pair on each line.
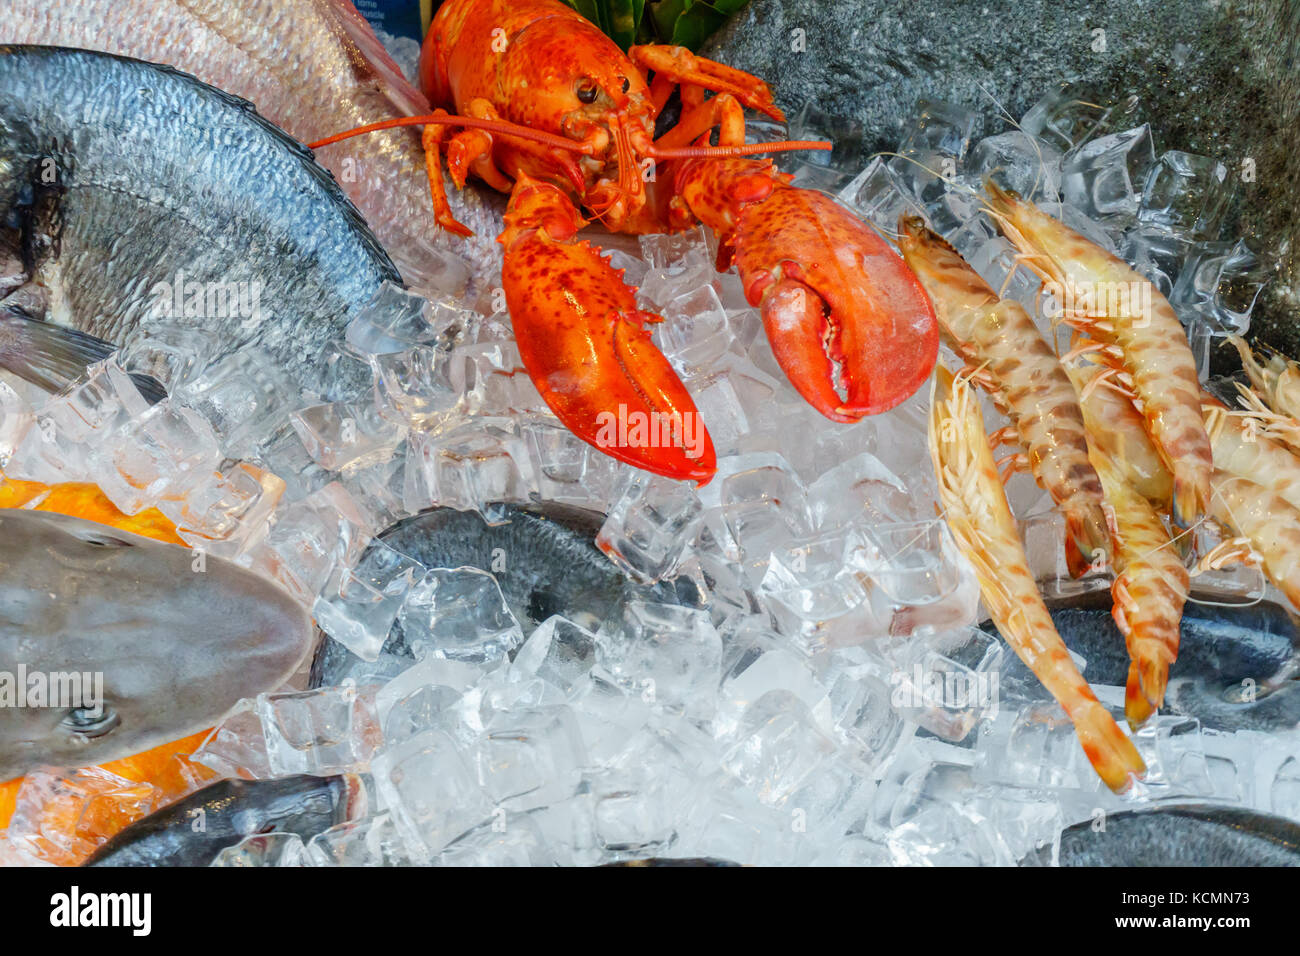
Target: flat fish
1236,667
192,831
313,67
543,556
121,181
133,645
1183,835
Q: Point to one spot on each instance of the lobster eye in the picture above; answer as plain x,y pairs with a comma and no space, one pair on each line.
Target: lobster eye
588,92
627,84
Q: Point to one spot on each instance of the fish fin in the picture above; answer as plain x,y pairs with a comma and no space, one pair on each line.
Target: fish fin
52,357
49,356
150,389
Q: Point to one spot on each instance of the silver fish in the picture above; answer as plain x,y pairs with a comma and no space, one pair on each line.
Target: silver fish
159,648
135,194
313,67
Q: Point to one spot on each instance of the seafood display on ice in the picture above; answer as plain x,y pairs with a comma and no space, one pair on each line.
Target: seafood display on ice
684,506
558,117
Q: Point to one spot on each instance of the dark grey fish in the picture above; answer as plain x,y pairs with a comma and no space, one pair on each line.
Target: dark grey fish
151,647
1236,667
192,831
1187,835
133,194
543,556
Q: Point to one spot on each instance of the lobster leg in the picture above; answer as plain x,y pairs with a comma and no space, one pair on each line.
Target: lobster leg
676,64
847,320
586,345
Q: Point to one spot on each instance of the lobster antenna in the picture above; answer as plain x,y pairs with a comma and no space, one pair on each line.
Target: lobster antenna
471,122
725,152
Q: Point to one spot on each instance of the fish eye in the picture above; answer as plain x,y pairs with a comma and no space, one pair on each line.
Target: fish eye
91,722
588,91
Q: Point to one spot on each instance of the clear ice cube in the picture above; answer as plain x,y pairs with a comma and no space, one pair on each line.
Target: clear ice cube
459,614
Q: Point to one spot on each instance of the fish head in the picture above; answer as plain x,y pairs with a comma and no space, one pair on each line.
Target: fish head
111,643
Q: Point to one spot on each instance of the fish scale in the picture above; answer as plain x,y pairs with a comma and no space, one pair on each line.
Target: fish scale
313,67
160,176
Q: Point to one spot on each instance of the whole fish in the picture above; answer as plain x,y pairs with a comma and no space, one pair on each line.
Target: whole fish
1186,835
129,642
192,831
1236,667
543,556
136,195
313,67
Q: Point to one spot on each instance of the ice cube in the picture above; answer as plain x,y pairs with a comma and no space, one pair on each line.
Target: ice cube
320,732
765,509
1070,115
340,435
529,757
172,353
1157,255
1103,177
229,514
370,842
264,849
1220,282
1187,195
432,793
879,197
482,461
515,840
944,695
650,526
672,654
411,386
314,539
459,614
237,748
362,613
778,747
242,396
940,127
61,817
768,667
695,330
1021,163
160,455
396,319
560,652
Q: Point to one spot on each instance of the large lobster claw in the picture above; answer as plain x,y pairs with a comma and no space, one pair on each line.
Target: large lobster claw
848,322
586,345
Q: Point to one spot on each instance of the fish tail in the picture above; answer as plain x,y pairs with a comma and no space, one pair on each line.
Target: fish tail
1109,750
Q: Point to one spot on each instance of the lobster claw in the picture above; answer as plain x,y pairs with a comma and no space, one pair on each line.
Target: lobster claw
848,322
587,346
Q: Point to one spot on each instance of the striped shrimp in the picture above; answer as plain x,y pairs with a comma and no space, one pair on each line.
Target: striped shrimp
1274,399
1117,429
975,507
1242,448
1268,521
1117,306
1021,372
1150,589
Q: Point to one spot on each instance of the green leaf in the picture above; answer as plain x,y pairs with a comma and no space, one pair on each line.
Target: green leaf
588,8
696,25
623,17
665,13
